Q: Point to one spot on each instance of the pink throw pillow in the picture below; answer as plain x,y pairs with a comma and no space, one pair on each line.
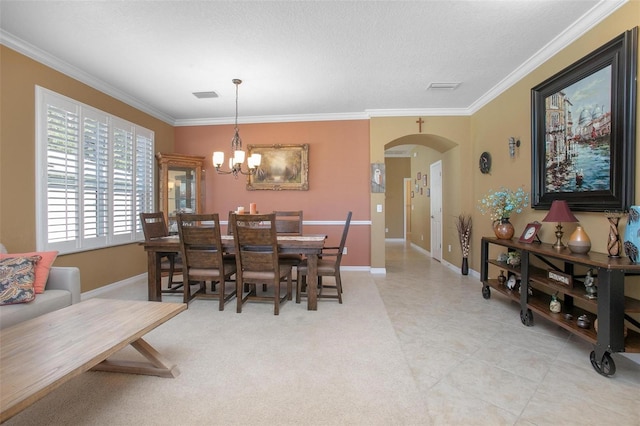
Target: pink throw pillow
42,267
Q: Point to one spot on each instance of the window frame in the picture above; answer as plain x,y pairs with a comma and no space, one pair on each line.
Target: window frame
136,178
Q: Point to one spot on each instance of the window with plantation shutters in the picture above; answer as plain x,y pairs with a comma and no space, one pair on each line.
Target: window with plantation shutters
95,176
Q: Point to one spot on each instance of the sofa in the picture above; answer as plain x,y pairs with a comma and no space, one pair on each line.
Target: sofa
62,289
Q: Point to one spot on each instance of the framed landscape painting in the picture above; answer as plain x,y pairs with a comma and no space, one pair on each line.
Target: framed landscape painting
282,167
583,131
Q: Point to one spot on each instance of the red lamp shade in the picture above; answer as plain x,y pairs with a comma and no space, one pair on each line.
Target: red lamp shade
559,212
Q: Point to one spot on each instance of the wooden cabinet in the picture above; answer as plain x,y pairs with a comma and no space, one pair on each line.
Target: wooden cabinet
181,185
611,307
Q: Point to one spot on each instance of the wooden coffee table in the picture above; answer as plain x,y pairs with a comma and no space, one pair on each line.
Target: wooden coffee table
40,354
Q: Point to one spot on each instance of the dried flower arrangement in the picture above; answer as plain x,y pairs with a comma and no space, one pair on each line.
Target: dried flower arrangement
464,226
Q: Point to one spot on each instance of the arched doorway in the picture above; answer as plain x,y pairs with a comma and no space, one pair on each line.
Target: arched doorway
410,159
449,136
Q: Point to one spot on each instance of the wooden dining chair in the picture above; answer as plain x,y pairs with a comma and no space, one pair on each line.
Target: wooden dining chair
328,266
202,255
257,259
288,222
155,226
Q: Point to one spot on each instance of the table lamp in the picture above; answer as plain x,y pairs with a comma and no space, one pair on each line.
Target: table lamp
559,212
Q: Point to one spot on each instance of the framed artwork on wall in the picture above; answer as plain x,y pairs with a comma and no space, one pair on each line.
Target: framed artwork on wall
282,167
583,130
377,177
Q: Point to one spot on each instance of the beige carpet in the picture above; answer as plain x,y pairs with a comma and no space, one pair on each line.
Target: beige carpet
340,365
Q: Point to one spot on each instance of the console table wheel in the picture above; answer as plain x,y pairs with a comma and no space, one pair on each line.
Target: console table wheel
526,317
486,292
606,367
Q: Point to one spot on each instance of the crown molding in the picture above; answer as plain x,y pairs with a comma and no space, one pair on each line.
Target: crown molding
49,60
408,112
595,15
272,119
587,21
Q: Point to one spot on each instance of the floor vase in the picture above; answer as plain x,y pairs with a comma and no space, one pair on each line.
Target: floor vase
464,269
632,235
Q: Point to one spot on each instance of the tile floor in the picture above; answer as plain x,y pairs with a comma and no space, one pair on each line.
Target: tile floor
477,364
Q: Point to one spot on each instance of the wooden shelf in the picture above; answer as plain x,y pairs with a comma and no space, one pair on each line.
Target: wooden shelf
539,303
592,259
502,289
574,298
506,267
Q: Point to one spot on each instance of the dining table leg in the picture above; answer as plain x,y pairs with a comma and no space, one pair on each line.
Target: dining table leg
312,282
154,276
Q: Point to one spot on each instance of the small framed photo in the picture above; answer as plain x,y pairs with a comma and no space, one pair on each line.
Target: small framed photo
424,179
530,233
419,176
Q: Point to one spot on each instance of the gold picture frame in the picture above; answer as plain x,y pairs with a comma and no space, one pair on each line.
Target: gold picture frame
283,167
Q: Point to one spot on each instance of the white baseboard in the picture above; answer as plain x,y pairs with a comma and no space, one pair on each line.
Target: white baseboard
98,291
420,249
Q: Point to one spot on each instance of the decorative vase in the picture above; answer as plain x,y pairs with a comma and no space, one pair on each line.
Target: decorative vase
632,235
464,269
614,245
502,279
503,229
555,306
579,241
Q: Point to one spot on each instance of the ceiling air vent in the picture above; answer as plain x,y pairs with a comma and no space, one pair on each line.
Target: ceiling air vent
205,95
443,86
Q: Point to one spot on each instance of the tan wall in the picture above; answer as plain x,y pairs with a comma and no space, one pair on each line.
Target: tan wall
18,77
397,169
510,115
421,160
338,175
489,130
445,138
336,179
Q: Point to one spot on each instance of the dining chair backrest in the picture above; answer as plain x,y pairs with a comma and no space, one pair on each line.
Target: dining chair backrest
256,242
288,222
229,226
343,239
200,240
153,225
328,265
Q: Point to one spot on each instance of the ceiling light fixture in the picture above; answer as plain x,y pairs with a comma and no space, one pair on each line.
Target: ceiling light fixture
237,153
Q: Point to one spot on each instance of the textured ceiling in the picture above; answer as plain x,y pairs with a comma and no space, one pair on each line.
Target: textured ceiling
297,59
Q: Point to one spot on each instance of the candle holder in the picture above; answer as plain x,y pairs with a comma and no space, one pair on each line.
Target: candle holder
614,245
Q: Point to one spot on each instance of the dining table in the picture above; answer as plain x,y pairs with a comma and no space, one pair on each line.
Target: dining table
309,245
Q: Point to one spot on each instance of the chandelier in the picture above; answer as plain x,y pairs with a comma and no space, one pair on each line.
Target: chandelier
237,153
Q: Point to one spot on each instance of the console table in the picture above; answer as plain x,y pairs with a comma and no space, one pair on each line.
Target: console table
611,307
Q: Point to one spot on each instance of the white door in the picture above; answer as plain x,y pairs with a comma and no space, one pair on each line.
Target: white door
436,210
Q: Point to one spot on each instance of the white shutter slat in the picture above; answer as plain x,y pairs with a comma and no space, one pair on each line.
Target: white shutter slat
97,175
